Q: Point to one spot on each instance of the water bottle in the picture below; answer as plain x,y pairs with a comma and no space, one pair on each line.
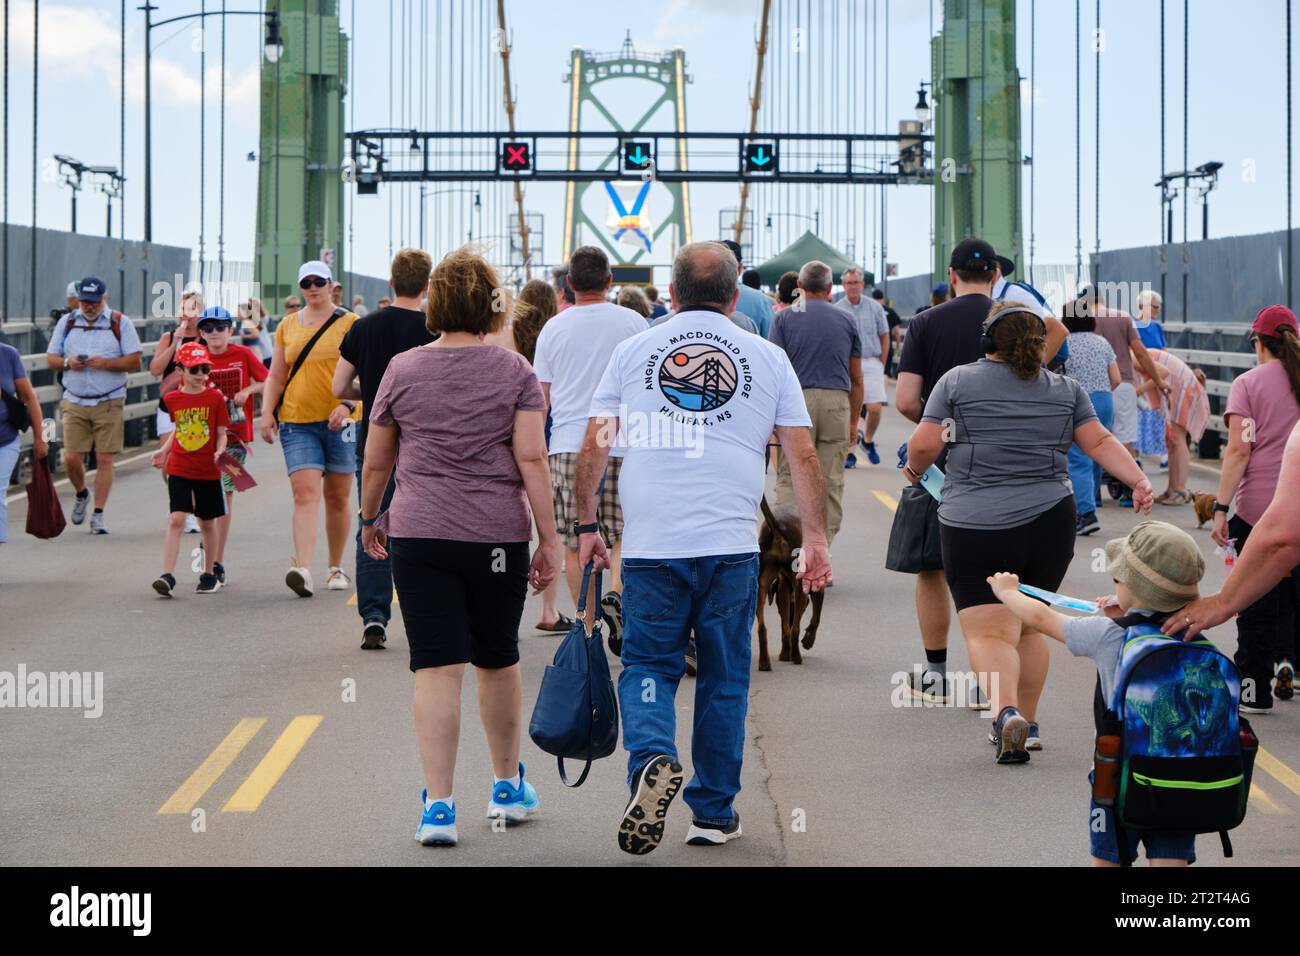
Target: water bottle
1230,554
1106,762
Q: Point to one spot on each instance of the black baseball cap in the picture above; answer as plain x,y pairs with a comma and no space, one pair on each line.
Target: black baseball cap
91,289
974,255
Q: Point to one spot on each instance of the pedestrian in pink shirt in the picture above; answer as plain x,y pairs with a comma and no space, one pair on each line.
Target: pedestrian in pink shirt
1263,408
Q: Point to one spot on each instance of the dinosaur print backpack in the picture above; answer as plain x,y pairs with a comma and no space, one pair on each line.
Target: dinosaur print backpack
1186,756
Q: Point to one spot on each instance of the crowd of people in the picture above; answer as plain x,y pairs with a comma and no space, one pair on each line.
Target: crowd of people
499,448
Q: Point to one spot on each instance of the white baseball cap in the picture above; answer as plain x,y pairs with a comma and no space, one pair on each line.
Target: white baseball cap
1023,294
314,268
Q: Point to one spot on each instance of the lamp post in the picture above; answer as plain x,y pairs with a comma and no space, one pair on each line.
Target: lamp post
71,170
922,107
273,48
815,219
111,187
478,207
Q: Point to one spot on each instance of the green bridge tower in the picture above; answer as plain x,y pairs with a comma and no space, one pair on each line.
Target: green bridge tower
299,186
977,153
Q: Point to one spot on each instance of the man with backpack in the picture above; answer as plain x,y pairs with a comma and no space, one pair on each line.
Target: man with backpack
1172,757
96,349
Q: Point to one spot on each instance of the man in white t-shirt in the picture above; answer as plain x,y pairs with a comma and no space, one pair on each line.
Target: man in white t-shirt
695,401
572,352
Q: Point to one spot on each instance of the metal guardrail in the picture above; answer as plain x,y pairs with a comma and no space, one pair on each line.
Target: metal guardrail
1209,347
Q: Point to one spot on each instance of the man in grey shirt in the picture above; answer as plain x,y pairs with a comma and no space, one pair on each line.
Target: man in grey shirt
825,349
873,327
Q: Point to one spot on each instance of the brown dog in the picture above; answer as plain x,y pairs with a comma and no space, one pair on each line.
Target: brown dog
777,584
1204,505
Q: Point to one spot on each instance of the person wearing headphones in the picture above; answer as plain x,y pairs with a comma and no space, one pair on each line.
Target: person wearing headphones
1006,502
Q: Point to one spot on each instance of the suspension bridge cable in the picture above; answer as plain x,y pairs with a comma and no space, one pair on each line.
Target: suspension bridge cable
1186,58
36,60
1033,153
4,255
1097,43
1078,169
221,160
390,59
1288,154
352,124
203,128
1165,234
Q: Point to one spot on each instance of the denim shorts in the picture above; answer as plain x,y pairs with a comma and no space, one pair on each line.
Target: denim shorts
314,445
1160,844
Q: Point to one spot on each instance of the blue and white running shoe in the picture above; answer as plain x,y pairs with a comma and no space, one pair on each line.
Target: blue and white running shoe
510,803
438,823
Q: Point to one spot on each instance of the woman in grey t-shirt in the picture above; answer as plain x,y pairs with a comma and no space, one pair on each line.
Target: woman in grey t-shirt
1008,424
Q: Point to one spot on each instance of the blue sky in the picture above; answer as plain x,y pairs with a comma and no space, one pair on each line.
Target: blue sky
1237,94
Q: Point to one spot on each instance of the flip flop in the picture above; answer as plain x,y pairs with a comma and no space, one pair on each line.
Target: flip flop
562,625
1178,498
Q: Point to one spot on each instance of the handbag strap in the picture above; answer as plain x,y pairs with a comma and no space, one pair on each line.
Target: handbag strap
586,579
302,356
564,779
582,606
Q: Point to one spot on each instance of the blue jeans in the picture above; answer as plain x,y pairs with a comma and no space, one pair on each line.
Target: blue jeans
374,578
663,600
8,458
315,445
1085,474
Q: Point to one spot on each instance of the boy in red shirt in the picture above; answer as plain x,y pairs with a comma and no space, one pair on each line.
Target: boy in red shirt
238,374
190,463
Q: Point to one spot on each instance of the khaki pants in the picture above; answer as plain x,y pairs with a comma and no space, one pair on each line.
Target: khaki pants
829,410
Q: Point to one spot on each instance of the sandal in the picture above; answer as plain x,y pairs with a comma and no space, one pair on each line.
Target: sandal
1180,497
561,625
1162,498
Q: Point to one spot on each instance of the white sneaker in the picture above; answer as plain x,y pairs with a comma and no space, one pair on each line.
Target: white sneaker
191,524
337,580
299,581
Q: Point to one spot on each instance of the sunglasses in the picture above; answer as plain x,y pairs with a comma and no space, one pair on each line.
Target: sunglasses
310,282
210,326
199,369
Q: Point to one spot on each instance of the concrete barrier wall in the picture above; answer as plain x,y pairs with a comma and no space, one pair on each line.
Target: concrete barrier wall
130,269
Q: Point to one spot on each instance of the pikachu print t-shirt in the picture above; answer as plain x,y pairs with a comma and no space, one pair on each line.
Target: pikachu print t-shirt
194,441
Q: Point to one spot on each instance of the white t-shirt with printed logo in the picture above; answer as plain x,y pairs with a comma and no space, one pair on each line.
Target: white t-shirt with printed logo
572,351
697,400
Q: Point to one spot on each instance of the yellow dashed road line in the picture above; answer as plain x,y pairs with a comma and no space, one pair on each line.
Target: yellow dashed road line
267,774
1278,771
886,499
192,790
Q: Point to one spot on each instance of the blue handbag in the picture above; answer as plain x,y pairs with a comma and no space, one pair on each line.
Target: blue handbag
576,714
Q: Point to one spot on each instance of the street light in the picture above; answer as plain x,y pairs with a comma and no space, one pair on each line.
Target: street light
1207,176
273,49
71,170
922,107
815,219
111,187
478,206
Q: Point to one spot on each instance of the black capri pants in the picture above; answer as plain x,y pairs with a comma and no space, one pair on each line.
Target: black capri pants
1039,552
461,600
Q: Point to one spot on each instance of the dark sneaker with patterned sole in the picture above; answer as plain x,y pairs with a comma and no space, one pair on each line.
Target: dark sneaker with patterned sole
653,789
374,636
208,584
1284,681
164,584
713,834
611,613
928,685
1010,732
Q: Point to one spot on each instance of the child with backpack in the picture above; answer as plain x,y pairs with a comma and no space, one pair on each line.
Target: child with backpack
190,463
1172,758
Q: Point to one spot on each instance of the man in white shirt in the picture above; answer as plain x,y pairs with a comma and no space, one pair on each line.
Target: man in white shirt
696,400
572,352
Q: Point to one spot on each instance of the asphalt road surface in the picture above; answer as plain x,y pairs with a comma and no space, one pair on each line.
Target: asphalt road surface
258,709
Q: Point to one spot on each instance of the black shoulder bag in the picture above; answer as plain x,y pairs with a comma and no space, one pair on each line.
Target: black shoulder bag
302,356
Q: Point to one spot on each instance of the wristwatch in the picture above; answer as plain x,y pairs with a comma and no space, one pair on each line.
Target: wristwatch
366,522
581,529
1220,506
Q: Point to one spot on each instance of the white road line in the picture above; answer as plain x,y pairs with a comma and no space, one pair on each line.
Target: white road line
68,481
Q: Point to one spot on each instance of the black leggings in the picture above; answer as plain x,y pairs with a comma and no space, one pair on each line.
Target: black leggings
1039,552
1267,631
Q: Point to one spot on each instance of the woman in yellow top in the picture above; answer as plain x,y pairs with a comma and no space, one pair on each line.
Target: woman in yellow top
313,425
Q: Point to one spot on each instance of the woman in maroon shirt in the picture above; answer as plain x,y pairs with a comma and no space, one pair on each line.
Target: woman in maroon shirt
463,421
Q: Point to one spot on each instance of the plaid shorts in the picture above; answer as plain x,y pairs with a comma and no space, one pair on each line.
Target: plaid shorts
239,452
564,485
